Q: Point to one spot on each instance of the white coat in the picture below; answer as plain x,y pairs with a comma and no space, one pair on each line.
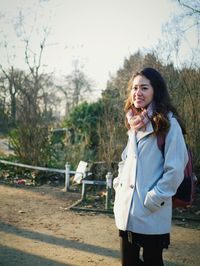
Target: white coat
147,180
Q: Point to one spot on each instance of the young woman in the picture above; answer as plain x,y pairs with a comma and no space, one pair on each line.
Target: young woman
148,177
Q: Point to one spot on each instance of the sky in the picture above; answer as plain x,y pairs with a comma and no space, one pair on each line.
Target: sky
100,34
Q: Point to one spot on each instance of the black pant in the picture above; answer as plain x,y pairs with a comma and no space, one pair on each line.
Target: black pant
130,253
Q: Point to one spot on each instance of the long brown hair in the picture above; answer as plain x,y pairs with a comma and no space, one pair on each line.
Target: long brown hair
162,102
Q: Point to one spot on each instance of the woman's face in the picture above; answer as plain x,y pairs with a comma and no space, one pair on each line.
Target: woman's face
142,92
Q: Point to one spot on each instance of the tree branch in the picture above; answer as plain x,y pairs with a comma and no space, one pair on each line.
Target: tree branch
189,7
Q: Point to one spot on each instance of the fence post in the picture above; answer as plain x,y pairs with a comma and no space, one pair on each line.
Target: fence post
83,193
67,176
109,177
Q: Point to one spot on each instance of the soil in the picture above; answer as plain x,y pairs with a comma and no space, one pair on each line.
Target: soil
37,227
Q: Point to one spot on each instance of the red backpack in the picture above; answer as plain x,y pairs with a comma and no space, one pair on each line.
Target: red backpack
185,193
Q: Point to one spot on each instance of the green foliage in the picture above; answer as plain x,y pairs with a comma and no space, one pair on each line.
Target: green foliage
83,124
57,149
83,121
95,130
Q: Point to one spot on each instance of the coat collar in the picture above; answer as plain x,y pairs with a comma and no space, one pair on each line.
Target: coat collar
134,137
141,134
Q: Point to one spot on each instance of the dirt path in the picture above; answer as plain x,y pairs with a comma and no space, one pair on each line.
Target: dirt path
37,229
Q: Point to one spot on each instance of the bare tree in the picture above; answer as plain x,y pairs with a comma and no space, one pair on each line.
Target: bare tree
76,88
31,138
78,84
31,94
13,81
192,6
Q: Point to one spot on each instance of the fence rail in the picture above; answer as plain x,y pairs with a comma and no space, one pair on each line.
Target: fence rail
33,167
65,171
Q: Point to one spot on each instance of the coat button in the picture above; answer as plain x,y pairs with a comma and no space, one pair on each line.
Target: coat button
132,186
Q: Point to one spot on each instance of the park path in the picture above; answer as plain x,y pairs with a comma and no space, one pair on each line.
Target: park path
36,228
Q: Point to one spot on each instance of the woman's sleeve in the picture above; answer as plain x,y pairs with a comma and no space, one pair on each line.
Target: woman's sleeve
175,160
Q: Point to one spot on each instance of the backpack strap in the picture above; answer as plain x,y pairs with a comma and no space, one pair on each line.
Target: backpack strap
161,142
